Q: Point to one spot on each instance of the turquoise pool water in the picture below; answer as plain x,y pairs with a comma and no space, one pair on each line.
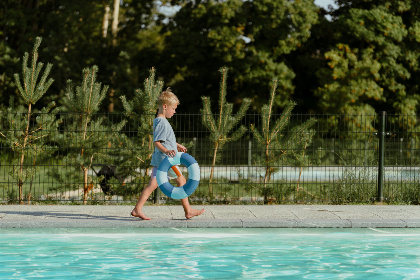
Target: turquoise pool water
210,253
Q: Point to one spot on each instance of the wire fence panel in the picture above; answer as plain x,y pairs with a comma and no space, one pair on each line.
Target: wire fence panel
401,159
105,159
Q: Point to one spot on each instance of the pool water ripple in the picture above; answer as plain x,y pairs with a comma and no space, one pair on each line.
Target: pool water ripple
209,253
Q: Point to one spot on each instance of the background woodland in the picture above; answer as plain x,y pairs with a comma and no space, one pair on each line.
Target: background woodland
360,58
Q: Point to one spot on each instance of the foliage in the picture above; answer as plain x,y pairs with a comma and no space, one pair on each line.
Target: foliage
73,40
86,137
354,185
24,135
141,111
252,38
221,124
371,45
375,56
31,147
7,61
366,60
30,89
277,145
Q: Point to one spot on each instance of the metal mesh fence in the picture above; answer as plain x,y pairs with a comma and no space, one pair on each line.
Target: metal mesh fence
106,161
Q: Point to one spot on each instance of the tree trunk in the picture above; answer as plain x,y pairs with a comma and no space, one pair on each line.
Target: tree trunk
20,184
114,27
85,170
32,180
22,158
111,101
267,175
301,168
298,183
85,185
267,171
105,22
212,168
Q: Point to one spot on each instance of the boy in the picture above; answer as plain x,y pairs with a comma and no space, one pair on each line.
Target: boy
165,145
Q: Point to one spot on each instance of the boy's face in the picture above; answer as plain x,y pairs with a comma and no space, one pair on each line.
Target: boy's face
169,110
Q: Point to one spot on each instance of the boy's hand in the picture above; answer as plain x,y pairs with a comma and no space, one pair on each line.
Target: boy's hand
170,153
181,148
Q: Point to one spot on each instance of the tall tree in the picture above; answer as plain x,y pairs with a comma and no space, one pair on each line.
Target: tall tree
73,39
252,38
276,143
375,57
86,135
222,122
141,111
23,134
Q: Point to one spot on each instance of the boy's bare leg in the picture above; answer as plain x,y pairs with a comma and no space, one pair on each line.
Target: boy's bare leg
189,212
147,191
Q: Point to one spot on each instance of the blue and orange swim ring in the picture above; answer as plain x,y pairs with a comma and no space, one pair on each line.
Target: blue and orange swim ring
193,176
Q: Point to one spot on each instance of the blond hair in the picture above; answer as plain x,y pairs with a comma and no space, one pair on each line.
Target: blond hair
167,97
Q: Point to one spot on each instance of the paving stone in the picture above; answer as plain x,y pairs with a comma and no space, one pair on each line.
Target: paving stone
378,223
215,223
325,223
177,212
215,216
413,223
269,223
270,211
227,212
313,213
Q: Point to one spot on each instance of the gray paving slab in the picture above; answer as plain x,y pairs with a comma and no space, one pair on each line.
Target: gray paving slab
270,211
323,223
177,212
269,223
215,216
215,223
318,214
415,212
160,223
225,211
413,223
384,223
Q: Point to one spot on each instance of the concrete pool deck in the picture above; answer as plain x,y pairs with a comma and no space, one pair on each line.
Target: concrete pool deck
215,216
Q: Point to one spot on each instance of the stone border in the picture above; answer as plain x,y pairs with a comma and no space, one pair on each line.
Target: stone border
220,223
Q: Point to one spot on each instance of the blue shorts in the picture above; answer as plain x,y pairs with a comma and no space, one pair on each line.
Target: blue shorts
171,173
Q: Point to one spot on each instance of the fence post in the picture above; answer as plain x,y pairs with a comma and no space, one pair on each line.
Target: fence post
381,156
249,159
401,152
365,162
412,152
155,196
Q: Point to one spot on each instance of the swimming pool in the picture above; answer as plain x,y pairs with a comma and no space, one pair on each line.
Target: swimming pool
209,253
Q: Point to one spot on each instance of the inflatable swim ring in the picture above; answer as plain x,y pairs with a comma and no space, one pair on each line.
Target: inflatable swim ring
193,176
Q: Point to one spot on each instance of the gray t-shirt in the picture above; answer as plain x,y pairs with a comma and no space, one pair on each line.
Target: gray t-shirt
162,131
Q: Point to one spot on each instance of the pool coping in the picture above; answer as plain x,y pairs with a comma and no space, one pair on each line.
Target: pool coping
228,223
215,216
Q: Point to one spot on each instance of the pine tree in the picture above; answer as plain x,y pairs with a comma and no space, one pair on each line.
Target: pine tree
222,124
141,111
25,136
277,145
85,135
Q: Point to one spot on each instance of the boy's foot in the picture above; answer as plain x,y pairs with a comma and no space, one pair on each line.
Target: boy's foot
139,214
193,213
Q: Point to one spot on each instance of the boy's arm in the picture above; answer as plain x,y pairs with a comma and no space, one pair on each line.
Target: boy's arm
181,148
160,147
